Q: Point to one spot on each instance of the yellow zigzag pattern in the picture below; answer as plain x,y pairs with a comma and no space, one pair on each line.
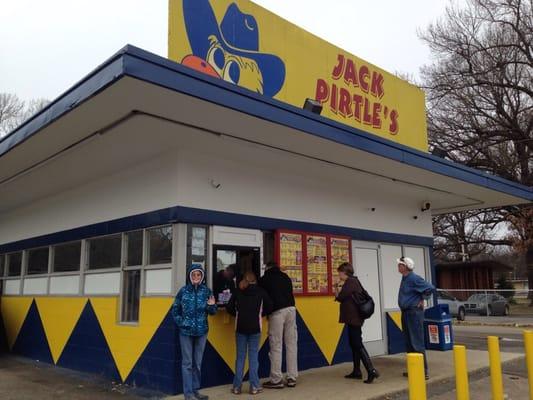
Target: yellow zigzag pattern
14,311
396,316
59,317
321,315
127,342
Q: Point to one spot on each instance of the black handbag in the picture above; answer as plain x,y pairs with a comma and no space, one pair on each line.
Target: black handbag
364,302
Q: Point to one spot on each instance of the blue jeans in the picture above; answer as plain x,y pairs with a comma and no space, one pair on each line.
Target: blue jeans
413,332
192,351
250,344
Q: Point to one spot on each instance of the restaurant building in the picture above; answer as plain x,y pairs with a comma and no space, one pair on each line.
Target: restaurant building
149,164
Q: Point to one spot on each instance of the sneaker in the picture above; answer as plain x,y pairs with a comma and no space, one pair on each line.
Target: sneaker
200,396
291,382
256,390
273,385
236,390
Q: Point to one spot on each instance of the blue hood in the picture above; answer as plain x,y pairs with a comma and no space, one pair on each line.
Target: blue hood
191,269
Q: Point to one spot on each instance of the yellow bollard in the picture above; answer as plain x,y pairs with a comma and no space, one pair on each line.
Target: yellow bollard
416,376
528,343
495,368
461,373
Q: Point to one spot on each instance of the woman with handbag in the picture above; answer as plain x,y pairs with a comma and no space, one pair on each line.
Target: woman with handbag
351,296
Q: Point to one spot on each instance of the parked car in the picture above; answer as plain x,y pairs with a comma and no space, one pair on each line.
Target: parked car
457,307
487,304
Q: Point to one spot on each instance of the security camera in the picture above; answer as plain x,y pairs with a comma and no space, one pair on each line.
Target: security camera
415,216
215,184
373,209
425,206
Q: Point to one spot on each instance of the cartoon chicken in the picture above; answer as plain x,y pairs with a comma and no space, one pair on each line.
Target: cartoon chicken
230,51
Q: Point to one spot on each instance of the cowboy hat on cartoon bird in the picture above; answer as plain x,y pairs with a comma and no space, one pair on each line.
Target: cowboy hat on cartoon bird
230,51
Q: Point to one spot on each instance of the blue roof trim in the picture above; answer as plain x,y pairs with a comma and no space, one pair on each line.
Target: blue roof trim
207,217
140,64
96,81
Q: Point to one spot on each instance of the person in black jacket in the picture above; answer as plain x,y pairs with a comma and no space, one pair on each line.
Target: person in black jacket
249,304
281,326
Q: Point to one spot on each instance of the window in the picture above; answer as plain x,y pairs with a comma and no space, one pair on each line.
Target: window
131,293
134,248
38,261
105,252
197,245
2,264
14,264
67,257
160,245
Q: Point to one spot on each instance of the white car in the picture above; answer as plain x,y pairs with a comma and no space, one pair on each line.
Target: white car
457,307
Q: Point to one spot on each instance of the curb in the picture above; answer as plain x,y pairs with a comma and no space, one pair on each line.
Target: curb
503,324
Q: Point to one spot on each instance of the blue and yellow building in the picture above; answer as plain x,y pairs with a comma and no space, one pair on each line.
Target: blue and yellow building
148,164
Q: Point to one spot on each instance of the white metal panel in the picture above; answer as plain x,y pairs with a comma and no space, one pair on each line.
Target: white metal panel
274,185
418,256
12,286
390,275
158,281
366,265
65,284
106,283
237,237
35,285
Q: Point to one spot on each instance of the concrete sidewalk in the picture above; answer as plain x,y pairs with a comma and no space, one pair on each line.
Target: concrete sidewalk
329,383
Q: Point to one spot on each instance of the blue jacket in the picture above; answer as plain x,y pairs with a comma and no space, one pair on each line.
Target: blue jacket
413,290
190,307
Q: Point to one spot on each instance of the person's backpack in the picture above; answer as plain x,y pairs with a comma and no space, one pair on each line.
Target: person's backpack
365,303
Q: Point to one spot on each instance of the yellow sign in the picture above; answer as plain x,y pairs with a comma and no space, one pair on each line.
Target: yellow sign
242,43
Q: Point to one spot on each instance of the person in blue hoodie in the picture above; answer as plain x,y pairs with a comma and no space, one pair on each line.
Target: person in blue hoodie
192,304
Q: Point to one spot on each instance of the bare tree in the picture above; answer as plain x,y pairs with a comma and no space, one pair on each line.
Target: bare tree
14,111
480,99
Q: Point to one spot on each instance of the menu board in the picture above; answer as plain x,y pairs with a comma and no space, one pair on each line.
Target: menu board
311,260
317,264
340,253
291,260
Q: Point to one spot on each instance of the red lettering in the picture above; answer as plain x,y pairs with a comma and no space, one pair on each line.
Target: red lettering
322,91
377,85
333,102
376,115
364,74
367,117
345,103
339,68
394,126
350,74
357,102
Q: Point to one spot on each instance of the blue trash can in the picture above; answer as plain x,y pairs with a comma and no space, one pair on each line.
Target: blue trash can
438,328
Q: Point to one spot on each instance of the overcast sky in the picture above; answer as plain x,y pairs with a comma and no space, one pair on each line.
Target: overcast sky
47,46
